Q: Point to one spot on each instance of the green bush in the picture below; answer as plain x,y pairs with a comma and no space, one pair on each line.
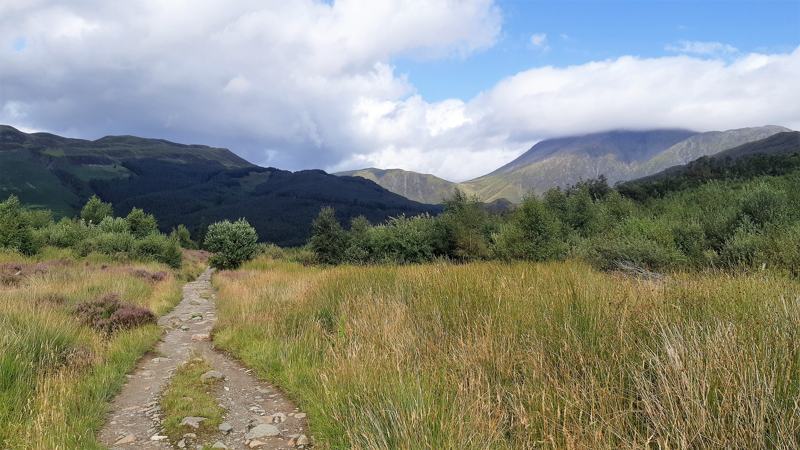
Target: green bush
16,232
95,210
141,224
764,205
233,243
183,236
106,243
158,247
358,244
328,240
466,229
640,242
405,239
66,233
532,233
114,225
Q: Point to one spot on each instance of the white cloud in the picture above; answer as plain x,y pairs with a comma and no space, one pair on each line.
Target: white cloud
306,84
701,48
248,74
539,41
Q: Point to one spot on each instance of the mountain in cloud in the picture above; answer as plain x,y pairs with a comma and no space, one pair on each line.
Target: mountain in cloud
190,184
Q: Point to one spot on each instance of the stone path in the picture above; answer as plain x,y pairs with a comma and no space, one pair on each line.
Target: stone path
260,416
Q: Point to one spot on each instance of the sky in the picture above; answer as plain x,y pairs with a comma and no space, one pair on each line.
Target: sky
455,88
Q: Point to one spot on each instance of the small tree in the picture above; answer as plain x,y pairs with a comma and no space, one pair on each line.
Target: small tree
141,223
533,233
15,228
328,239
233,243
95,210
183,236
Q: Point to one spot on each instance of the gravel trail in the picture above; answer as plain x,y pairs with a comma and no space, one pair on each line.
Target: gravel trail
254,408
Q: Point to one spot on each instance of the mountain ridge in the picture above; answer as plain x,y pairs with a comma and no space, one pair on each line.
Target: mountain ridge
180,183
619,155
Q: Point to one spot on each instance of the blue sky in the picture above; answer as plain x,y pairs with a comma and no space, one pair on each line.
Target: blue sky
579,31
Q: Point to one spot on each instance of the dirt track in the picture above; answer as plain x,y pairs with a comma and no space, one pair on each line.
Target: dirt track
135,416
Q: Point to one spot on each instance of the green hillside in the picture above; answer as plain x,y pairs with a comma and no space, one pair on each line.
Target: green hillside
420,187
617,155
190,184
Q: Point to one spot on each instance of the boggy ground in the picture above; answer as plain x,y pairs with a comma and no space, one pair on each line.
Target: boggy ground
256,414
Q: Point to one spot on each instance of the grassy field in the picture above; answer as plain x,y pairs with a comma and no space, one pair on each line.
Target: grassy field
493,355
56,375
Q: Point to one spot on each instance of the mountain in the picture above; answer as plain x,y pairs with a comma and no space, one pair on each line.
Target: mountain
420,187
618,155
775,155
704,144
190,184
567,160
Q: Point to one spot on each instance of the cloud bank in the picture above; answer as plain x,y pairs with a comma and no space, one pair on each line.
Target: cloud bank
306,83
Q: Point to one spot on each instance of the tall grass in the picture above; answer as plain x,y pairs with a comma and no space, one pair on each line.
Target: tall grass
493,355
56,376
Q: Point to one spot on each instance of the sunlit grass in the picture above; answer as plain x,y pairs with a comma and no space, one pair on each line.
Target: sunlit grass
57,376
494,355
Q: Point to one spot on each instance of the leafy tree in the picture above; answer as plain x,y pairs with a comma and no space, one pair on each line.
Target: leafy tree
233,243
183,236
533,233
358,244
141,223
467,227
95,210
328,240
16,232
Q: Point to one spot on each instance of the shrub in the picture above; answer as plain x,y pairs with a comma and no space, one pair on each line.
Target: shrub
233,243
65,233
764,205
141,223
95,210
183,236
106,243
114,225
108,314
533,233
691,240
405,240
358,247
640,242
328,240
158,247
16,232
466,227
582,214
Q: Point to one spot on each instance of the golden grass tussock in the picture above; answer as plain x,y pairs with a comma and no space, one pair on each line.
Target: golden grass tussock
496,355
57,375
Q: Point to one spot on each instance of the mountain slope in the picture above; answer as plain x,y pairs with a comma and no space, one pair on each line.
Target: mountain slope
190,184
704,144
618,155
776,155
420,187
567,160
